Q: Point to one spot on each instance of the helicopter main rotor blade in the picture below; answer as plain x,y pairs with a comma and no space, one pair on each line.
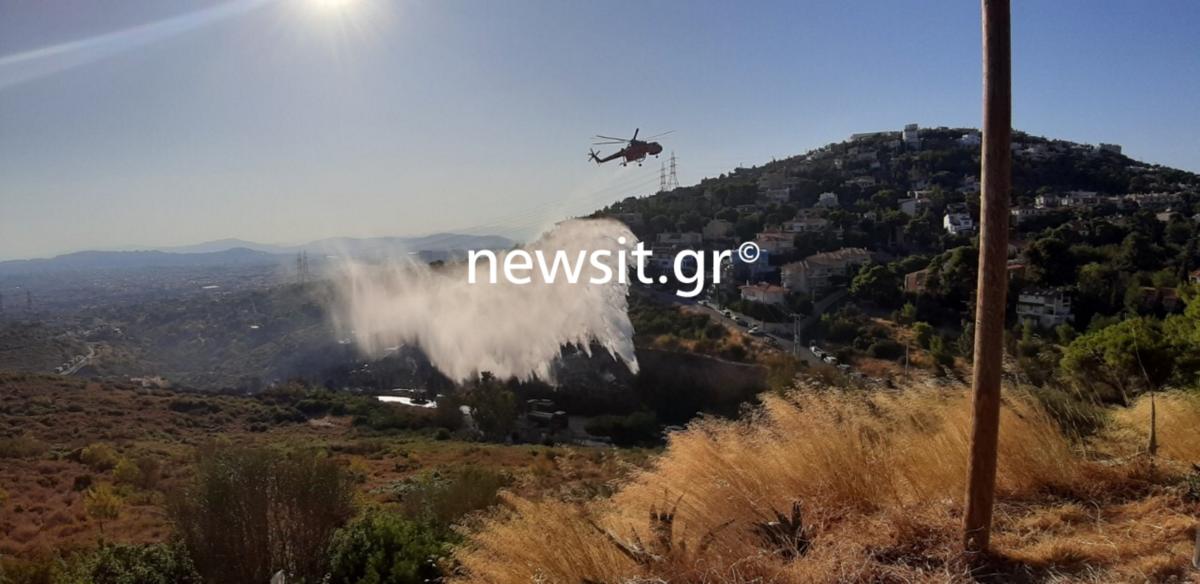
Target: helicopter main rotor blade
611,138
612,143
660,135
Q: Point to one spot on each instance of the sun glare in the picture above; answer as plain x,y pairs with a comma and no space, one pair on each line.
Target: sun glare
344,19
331,5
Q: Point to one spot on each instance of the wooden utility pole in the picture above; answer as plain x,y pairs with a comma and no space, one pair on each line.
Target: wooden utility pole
992,286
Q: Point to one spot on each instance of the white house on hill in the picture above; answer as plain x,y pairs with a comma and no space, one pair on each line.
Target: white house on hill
764,293
958,224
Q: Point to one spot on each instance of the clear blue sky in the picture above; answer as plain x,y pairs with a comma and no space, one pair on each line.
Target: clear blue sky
160,122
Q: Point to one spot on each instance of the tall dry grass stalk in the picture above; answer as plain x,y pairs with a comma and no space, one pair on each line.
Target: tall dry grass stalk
1178,425
884,455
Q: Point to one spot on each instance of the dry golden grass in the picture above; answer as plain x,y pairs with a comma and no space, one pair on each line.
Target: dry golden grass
1177,422
879,478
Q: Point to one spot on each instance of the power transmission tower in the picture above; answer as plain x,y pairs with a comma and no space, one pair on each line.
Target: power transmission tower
302,267
673,181
662,177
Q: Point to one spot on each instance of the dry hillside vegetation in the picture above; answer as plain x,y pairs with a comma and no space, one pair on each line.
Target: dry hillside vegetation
855,487
61,438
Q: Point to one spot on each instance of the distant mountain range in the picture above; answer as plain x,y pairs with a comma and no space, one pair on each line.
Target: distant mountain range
237,252
354,246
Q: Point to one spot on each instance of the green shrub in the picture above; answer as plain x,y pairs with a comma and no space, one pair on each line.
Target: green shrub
142,473
133,564
314,408
886,349
841,330
443,498
23,446
42,568
385,548
388,418
126,472
924,334
99,456
102,504
193,406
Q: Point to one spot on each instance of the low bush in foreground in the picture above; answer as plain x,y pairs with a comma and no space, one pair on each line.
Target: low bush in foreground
386,548
133,564
251,512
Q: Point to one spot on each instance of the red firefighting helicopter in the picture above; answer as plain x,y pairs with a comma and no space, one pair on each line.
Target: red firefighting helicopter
634,151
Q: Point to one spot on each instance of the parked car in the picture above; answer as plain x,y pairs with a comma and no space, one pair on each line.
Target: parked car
830,359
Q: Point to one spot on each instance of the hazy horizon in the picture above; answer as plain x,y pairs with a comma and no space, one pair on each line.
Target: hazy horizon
162,124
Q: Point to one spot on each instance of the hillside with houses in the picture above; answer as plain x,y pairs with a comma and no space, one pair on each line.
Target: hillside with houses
869,245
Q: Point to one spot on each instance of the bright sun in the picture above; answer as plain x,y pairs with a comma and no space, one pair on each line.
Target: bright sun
331,5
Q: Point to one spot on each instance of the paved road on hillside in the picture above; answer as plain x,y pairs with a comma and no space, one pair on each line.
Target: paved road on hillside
87,359
784,344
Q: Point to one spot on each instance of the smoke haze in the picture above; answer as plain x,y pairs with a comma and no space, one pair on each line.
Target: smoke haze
507,329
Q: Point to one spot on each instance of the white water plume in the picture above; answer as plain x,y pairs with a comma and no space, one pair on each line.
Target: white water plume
507,329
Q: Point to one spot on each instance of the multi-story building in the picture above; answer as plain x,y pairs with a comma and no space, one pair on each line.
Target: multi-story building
1044,308
1082,199
776,242
1020,214
815,272
958,224
870,135
1154,201
911,136
805,225
1047,201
